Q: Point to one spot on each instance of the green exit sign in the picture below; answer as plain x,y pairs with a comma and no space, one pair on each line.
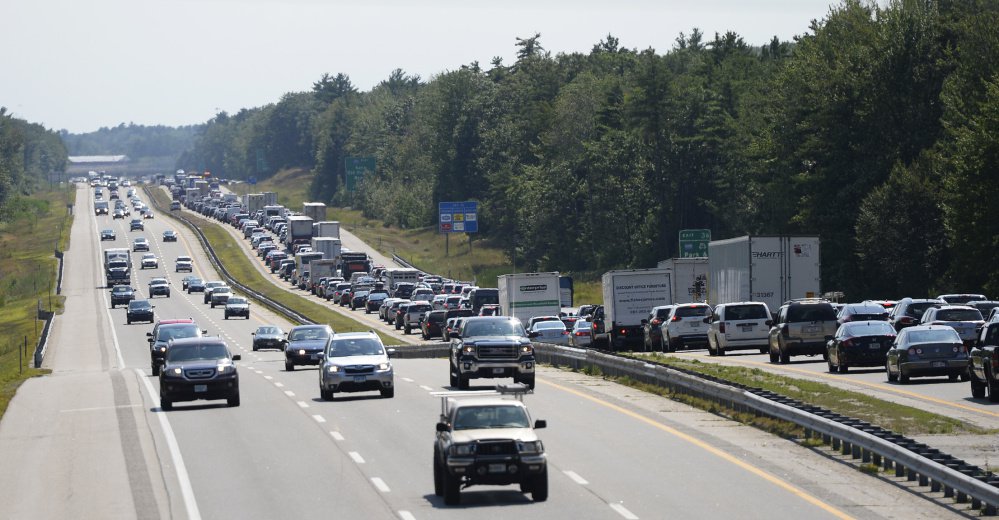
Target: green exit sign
694,243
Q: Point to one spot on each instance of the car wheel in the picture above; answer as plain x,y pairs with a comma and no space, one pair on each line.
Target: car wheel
671,345
966,375
902,378
785,356
289,366
452,489
407,329
233,401
462,382
226,316
156,370
247,315
366,311
891,377
128,321
844,369
711,351
952,377
529,381
388,393
255,347
452,377
721,351
165,404
832,366
398,326
977,388
539,488
325,395
438,475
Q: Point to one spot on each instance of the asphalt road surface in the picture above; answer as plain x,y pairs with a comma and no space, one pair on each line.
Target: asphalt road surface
90,440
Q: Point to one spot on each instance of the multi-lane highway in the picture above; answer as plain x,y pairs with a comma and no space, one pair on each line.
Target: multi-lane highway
90,440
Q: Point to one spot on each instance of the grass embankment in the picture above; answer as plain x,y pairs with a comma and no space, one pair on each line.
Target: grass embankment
423,247
893,416
38,225
241,267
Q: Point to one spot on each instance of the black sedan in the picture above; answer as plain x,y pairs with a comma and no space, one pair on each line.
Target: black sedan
108,234
195,285
859,344
169,236
358,299
139,310
305,344
268,336
121,295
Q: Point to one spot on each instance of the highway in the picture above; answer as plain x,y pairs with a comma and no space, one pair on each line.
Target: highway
90,440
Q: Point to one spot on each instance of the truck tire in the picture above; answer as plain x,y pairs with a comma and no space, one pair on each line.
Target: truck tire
785,356
451,376
462,382
438,475
527,380
992,385
977,388
155,369
774,357
407,329
452,489
891,377
539,488
165,404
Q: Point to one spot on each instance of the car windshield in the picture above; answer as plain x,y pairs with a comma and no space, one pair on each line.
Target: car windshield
178,332
869,328
746,312
944,335
823,312
269,330
121,289
237,301
959,315
355,347
139,305
480,417
916,310
196,352
306,334
549,325
495,328
582,325
691,311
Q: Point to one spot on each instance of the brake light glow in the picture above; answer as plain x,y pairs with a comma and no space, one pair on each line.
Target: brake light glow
675,318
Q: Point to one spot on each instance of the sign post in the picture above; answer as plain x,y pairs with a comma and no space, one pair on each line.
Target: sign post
694,243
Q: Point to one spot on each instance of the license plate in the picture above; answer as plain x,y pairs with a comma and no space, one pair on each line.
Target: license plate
694,324
874,346
746,326
498,370
939,364
200,388
811,329
359,379
497,468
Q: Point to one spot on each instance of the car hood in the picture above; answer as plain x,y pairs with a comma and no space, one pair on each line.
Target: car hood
358,360
308,344
519,434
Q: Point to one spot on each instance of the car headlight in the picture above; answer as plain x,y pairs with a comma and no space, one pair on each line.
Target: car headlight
530,448
463,450
225,368
384,366
301,352
526,349
333,369
177,371
468,349
162,349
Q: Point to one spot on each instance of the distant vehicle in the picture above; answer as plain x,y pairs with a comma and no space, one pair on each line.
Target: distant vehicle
149,261
220,296
237,306
140,244
159,287
185,280
139,310
121,295
198,368
552,331
195,285
967,321
305,345
927,350
432,324
684,327
163,332
651,327
118,213
356,362
739,326
175,205
961,299
108,234
861,312
136,225
580,335
859,344
169,236
908,311
491,347
268,336
184,263
800,329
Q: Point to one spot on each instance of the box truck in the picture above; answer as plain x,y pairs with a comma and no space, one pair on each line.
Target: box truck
270,198
394,276
314,210
299,230
329,247
690,276
302,267
117,266
328,228
769,269
254,203
526,295
629,295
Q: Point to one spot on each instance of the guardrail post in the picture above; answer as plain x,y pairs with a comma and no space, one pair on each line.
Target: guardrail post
865,456
934,486
990,510
899,470
948,492
976,504
875,459
961,497
855,451
835,444
846,448
924,480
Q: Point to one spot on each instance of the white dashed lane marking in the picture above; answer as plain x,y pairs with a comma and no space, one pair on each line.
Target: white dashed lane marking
336,436
357,457
303,404
623,511
289,393
406,515
380,484
427,388
575,477
319,418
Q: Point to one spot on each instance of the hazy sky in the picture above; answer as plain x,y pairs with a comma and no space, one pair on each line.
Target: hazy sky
83,64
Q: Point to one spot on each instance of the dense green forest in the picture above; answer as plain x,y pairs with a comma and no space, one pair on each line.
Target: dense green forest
877,129
29,155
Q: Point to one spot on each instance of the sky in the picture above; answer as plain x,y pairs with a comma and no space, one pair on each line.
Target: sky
81,65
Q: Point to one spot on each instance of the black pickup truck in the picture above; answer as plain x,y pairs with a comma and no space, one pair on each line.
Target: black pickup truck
491,347
984,366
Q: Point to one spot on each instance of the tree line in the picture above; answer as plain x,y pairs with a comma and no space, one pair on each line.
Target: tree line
877,129
29,155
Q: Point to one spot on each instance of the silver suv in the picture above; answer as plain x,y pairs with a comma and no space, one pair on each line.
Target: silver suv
801,329
414,314
356,362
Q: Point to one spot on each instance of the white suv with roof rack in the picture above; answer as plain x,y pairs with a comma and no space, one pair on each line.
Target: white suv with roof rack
738,326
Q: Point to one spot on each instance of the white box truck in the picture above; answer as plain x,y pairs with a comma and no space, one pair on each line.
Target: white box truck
526,295
270,198
690,276
769,269
396,275
328,228
329,247
629,295
315,210
254,203
299,230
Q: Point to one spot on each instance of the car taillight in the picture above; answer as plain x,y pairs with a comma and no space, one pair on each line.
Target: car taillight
656,322
721,327
906,320
847,343
675,318
915,351
623,332
565,333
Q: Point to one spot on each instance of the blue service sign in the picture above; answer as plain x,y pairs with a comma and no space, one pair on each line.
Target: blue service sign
458,217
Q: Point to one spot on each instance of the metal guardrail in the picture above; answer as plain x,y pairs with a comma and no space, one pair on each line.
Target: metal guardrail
403,262
874,445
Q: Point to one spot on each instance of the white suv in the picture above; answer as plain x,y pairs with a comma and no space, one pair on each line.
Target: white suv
685,326
738,326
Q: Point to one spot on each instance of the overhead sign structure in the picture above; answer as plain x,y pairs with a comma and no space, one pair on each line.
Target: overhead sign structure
458,217
694,243
355,168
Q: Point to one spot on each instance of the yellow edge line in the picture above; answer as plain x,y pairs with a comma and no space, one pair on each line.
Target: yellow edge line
875,386
710,449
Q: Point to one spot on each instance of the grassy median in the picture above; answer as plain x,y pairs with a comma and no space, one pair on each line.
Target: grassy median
241,267
35,227
893,416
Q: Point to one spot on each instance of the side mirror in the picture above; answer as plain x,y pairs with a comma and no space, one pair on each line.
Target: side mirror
236,357
540,423
321,355
533,334
204,332
253,333
149,334
390,352
442,427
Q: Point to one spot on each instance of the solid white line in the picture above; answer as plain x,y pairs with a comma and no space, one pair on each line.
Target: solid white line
575,477
289,393
380,484
621,510
357,457
319,418
406,515
427,388
336,436
186,490
303,404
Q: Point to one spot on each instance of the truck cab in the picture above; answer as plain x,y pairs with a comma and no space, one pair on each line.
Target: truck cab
984,363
